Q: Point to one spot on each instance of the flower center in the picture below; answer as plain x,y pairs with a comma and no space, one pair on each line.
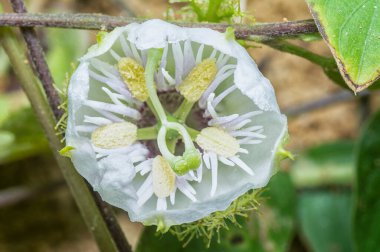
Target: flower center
114,135
218,141
191,158
132,74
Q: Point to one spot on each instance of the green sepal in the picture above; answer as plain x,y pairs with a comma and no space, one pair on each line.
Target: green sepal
66,151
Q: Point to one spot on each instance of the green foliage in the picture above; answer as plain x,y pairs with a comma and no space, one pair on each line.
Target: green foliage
212,224
273,228
66,151
325,221
367,205
351,28
326,164
65,47
269,227
21,136
63,93
207,10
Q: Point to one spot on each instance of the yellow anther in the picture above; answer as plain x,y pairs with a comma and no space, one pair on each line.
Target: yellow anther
114,135
198,80
133,76
218,141
163,177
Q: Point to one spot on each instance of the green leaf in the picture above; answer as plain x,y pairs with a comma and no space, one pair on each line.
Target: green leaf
65,47
24,137
275,222
327,164
367,207
325,221
352,30
269,230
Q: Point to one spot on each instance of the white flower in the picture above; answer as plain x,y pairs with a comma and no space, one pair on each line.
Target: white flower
152,105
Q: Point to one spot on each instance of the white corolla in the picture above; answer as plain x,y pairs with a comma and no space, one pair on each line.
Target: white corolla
170,123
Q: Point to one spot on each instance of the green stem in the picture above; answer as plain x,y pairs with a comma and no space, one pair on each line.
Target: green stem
302,52
311,178
183,111
148,133
212,11
77,185
327,63
154,56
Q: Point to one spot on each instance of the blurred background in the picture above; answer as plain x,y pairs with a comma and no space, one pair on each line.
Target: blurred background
307,206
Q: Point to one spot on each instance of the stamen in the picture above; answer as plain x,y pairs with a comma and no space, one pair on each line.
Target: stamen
172,197
100,121
114,135
178,60
199,54
145,196
189,60
119,109
182,186
146,185
161,204
198,80
125,47
226,161
214,173
163,177
133,75
221,96
218,141
117,86
115,55
136,54
242,165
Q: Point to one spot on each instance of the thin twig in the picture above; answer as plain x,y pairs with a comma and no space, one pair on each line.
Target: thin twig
36,55
321,103
92,214
38,59
104,22
15,195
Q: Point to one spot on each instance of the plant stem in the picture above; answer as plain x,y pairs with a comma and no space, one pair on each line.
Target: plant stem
183,111
98,22
212,10
147,133
327,64
99,223
36,56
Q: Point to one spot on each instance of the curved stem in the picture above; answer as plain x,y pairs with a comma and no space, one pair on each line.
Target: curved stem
183,111
154,56
161,142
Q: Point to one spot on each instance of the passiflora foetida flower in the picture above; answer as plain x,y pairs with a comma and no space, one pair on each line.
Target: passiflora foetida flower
171,124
